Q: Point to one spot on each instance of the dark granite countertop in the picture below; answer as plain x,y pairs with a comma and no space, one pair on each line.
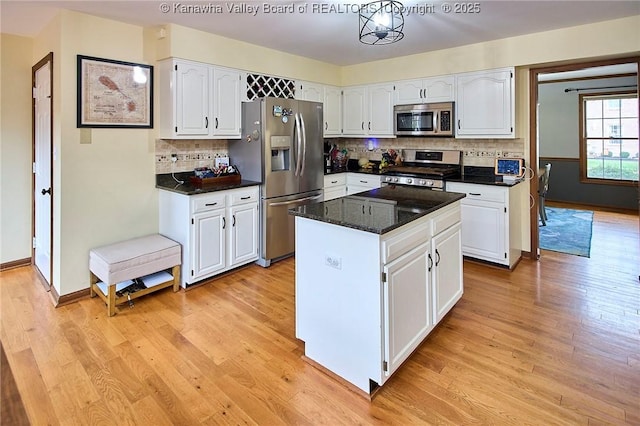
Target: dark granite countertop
391,208
166,182
482,176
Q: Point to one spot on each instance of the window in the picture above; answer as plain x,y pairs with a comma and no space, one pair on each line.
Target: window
609,138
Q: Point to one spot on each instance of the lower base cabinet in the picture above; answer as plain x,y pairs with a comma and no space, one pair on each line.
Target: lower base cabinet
218,231
362,308
491,221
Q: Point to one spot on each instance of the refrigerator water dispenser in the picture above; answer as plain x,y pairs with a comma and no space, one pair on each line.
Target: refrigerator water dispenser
280,153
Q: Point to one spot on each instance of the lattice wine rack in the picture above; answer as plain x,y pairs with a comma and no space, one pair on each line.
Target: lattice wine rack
259,86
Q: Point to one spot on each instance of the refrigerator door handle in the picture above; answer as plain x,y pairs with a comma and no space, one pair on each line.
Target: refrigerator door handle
304,144
299,143
284,203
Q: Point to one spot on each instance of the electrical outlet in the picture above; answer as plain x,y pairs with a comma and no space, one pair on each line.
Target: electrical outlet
174,158
499,153
333,261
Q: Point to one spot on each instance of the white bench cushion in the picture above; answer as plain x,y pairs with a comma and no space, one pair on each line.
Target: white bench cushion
134,258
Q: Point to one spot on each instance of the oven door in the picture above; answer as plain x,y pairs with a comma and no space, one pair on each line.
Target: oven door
414,122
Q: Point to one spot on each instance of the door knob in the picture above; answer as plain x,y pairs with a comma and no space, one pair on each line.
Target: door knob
46,191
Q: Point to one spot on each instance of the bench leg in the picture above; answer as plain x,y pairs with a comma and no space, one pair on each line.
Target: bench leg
111,300
176,278
92,280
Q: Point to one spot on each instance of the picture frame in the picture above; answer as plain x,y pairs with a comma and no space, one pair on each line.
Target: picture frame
114,94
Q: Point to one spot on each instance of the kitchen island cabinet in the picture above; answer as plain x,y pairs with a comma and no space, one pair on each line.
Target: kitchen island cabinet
362,308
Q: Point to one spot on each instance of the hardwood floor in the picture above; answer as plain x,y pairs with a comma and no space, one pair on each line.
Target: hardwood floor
554,342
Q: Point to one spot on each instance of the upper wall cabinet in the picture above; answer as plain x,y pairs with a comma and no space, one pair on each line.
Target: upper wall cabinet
368,110
331,98
485,104
198,101
434,89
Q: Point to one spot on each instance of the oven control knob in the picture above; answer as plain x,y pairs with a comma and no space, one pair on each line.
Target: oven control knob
395,179
409,180
422,182
387,179
429,183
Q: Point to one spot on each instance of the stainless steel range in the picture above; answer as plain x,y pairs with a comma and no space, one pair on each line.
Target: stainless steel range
425,168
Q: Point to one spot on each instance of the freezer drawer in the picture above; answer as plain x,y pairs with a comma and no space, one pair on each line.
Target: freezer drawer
277,226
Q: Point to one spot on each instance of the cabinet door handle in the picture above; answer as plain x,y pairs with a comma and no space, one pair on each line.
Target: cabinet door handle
430,262
234,220
206,122
326,125
210,204
369,125
437,257
224,223
362,125
458,124
363,209
369,210
216,122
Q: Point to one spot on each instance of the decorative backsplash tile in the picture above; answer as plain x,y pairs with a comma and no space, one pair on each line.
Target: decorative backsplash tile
190,153
476,152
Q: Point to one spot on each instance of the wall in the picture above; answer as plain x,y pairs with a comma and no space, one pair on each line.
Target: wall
105,190
15,148
559,145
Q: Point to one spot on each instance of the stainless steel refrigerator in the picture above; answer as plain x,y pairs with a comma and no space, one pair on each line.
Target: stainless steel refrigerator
282,147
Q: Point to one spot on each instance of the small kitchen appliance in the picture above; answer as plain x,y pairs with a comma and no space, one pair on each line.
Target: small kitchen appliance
425,168
430,119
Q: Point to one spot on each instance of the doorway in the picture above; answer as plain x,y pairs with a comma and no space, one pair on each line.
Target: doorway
42,131
572,73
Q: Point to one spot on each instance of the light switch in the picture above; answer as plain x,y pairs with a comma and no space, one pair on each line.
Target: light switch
85,135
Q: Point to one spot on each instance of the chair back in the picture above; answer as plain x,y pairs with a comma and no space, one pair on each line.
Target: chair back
544,181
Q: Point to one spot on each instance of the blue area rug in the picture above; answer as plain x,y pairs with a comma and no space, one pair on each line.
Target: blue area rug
567,231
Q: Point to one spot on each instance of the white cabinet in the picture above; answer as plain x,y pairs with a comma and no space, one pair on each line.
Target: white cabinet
331,98
198,101
335,186
407,299
368,110
363,308
360,182
434,89
485,104
332,111
218,231
446,269
491,222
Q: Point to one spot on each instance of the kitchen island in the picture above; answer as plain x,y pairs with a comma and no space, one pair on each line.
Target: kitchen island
375,273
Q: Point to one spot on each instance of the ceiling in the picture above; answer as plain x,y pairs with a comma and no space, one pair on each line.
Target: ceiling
327,30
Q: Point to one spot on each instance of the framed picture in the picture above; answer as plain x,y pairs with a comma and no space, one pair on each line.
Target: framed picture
114,94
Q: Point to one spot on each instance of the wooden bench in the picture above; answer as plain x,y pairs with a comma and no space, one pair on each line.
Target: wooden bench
147,259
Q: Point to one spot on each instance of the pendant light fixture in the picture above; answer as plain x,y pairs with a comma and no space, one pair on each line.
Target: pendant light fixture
381,22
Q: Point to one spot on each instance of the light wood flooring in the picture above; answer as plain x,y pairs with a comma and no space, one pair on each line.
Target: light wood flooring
554,342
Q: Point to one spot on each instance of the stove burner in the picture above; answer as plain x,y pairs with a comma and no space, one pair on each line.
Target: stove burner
424,173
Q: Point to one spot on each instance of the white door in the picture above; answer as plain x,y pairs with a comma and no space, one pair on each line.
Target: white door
447,270
42,171
192,99
208,243
226,102
244,233
380,110
407,305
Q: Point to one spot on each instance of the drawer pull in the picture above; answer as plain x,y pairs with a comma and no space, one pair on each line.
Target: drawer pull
210,204
334,181
364,181
475,193
246,198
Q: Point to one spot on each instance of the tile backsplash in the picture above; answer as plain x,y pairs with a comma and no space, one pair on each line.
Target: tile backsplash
475,152
192,153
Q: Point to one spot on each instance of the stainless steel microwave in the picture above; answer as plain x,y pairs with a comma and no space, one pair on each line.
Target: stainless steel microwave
435,119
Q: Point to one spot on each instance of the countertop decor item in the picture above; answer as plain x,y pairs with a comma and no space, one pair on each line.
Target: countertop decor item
381,22
114,93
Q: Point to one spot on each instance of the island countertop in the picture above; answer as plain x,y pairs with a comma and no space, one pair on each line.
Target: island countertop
380,210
